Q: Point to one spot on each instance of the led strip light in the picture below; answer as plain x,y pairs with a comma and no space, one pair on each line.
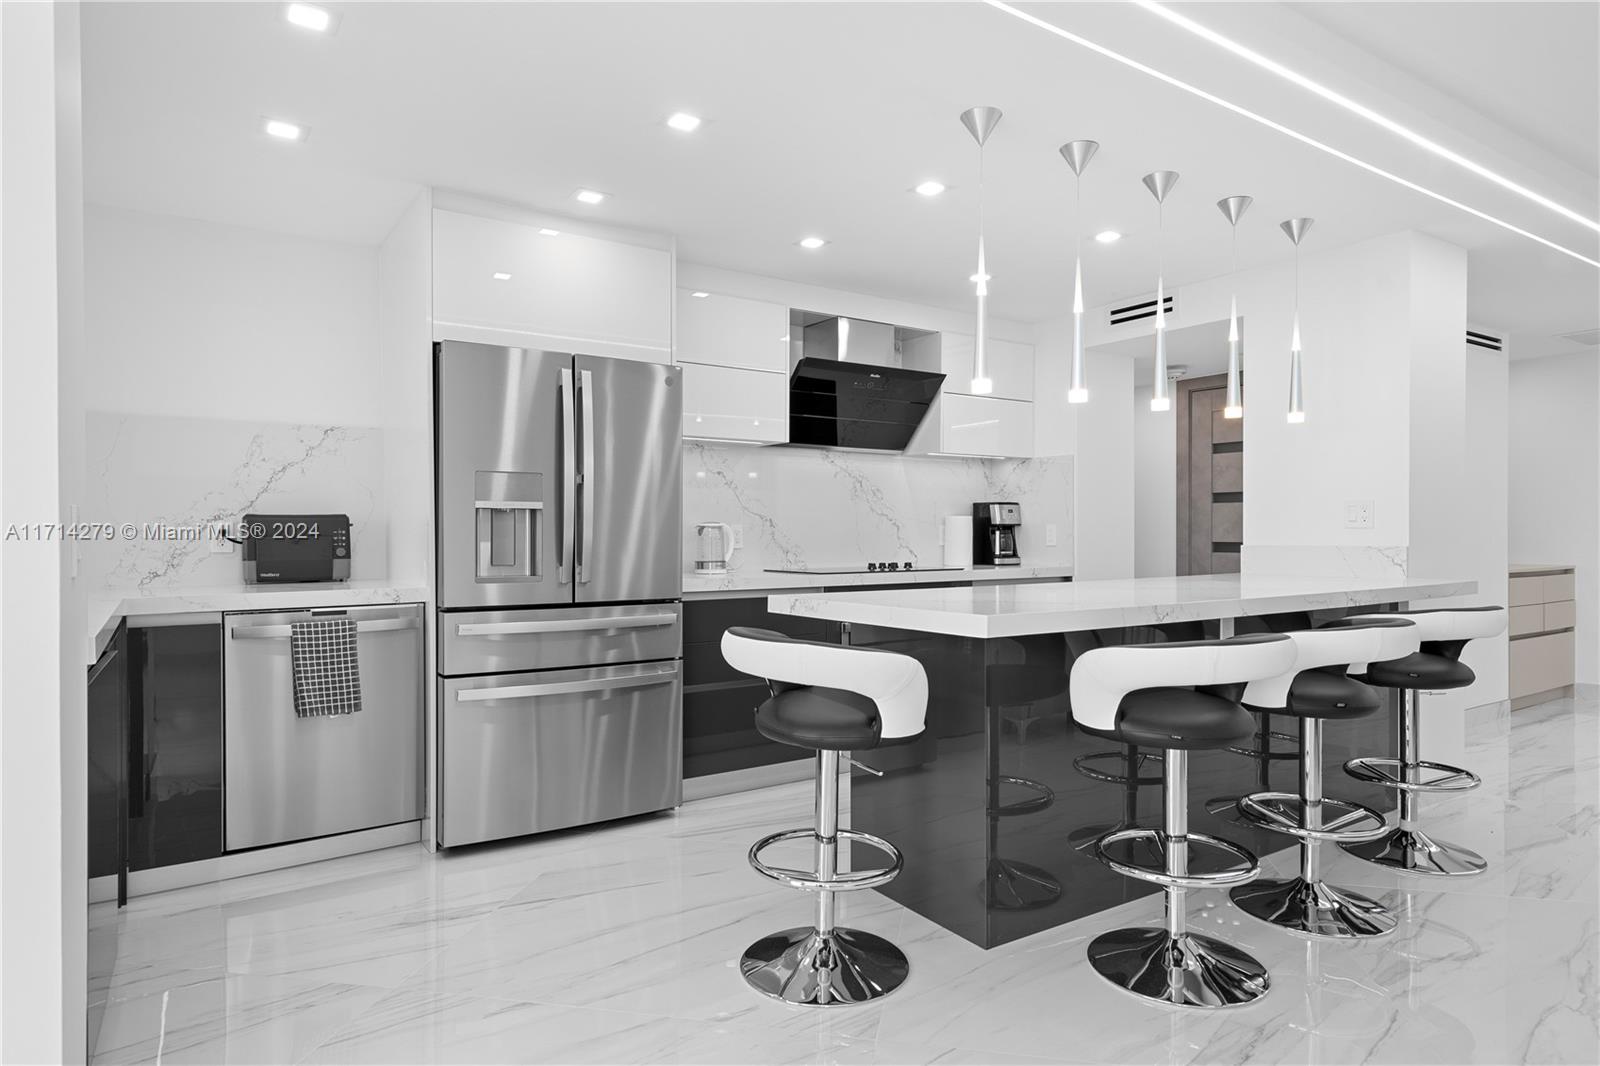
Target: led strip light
1244,112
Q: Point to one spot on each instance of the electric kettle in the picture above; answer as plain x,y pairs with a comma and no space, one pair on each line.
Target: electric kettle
714,547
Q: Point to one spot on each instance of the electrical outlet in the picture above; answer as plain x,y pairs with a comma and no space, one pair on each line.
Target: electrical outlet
220,545
738,536
1050,535
1358,514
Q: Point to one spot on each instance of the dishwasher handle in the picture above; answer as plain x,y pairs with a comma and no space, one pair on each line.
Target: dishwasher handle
382,625
559,625
564,688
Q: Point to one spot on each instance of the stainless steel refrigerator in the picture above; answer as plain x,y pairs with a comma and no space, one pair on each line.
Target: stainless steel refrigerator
558,503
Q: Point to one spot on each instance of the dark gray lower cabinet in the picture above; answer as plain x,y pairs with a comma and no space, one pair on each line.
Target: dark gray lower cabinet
174,744
108,768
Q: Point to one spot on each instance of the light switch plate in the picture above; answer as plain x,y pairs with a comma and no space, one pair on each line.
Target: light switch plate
1050,535
1358,514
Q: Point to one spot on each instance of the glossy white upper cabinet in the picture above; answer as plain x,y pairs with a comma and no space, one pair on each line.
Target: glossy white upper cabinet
950,354
728,403
504,282
976,425
718,330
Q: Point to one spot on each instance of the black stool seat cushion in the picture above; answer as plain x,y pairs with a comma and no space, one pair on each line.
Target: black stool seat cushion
823,719
1319,694
1180,718
1420,670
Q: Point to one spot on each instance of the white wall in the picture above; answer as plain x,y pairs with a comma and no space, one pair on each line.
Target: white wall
1554,479
199,319
43,733
1486,467
1155,488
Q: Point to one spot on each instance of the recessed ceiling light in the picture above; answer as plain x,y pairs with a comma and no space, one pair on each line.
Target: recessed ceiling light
547,232
589,196
700,295
284,131
812,243
684,122
308,17
930,188
501,275
1108,236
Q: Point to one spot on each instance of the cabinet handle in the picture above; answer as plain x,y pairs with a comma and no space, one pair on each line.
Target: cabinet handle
385,625
562,688
557,625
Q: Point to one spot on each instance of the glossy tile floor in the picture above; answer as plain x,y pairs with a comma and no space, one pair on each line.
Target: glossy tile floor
618,946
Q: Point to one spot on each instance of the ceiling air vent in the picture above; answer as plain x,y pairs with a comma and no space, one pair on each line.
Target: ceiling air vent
1589,338
1141,309
1486,340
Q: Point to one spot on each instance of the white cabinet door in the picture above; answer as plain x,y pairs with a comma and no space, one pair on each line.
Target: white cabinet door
977,425
725,403
730,331
566,292
1010,364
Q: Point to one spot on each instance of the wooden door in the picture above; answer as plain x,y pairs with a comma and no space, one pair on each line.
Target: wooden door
1210,479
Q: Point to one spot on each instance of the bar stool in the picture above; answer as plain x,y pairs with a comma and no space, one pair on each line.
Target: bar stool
831,699
1178,697
1435,667
1316,688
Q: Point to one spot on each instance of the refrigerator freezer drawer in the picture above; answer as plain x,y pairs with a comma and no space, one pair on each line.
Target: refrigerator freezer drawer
528,753
287,778
490,642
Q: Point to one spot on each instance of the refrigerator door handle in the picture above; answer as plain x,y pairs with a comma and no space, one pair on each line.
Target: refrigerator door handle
586,395
569,477
563,688
563,625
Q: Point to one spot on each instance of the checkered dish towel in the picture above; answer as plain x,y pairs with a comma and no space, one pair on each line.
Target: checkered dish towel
327,678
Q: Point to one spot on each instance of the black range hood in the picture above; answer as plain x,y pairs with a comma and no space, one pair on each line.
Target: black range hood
835,404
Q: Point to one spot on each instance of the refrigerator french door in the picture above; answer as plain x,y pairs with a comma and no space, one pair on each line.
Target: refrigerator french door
559,580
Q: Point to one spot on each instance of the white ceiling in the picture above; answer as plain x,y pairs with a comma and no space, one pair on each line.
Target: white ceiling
820,118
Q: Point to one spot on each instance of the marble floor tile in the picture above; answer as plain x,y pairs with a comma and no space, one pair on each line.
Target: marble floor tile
620,944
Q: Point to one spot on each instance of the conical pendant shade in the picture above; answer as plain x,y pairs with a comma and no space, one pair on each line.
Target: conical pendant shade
1296,229
1160,183
1078,154
1233,209
980,123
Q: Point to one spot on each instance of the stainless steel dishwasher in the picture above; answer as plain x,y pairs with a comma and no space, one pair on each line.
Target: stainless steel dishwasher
287,778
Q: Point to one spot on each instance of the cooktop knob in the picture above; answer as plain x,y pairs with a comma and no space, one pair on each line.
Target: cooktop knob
908,566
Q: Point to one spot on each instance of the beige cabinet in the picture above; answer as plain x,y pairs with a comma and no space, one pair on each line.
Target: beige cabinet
951,354
1542,624
729,404
975,425
718,330
503,282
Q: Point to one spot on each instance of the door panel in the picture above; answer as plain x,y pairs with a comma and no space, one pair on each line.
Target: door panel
527,753
502,486
1210,479
629,514
489,642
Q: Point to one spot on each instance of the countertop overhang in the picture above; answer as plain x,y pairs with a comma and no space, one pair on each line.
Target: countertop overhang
991,611
696,586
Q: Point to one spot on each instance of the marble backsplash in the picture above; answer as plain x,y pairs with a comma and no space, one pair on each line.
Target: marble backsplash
153,470
809,507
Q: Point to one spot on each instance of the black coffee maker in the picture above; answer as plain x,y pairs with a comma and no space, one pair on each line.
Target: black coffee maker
994,534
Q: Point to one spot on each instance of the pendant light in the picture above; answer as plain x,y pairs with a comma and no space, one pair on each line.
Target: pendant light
980,122
1077,154
1160,183
1233,209
1296,228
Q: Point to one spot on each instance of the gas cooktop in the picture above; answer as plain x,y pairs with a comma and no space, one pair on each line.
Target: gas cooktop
861,568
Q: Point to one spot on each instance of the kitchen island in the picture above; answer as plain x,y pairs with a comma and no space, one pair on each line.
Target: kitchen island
997,805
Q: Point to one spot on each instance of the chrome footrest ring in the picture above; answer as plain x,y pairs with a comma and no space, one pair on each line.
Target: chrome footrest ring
1041,799
808,881
1406,777
1085,765
1285,812
1269,754
1245,867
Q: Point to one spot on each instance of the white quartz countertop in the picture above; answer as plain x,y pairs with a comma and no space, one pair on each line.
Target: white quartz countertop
695,586
106,611
988,611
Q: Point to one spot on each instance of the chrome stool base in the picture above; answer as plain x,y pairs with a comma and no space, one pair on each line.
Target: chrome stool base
814,969
1020,886
1315,908
1413,851
1187,970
